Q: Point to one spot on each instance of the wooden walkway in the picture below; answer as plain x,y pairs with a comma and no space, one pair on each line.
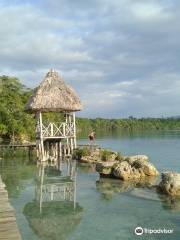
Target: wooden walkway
8,226
17,145
33,145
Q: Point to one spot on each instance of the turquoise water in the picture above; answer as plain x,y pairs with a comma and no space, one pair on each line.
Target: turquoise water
105,209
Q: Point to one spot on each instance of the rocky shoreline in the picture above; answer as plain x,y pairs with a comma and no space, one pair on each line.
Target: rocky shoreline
128,169
131,170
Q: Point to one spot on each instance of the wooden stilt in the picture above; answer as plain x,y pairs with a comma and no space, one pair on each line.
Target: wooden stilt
60,149
71,142
74,127
68,150
41,137
74,191
41,189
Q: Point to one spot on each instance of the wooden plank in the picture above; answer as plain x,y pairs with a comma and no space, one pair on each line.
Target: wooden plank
7,214
16,145
8,226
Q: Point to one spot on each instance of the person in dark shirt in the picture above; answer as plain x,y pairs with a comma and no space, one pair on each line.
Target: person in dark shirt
91,137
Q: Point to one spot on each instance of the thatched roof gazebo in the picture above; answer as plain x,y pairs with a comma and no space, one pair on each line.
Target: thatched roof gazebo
53,95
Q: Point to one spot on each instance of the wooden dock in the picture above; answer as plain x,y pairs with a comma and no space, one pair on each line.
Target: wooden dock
14,146
33,145
8,226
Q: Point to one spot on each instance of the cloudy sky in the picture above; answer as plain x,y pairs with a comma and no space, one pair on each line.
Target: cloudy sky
121,56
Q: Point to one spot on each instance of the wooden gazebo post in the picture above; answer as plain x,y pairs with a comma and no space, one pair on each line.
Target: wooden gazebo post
39,137
74,122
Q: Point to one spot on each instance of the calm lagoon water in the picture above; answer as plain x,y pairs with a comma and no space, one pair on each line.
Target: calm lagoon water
106,209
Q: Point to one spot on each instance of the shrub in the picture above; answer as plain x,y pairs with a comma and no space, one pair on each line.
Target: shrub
105,155
119,157
80,152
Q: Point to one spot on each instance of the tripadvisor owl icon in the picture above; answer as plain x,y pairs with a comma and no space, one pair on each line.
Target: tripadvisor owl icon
138,231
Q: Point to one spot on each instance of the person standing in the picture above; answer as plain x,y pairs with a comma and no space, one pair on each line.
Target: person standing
91,137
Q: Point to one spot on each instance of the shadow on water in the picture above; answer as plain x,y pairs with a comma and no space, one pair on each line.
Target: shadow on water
54,213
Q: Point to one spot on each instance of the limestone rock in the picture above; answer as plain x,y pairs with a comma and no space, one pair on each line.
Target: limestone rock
146,167
93,157
170,183
105,168
108,155
133,158
126,170
123,171
96,155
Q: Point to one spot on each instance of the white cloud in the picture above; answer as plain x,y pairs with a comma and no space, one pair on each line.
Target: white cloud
126,83
117,94
149,11
120,55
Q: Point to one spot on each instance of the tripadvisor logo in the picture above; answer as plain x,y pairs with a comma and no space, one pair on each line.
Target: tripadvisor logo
138,231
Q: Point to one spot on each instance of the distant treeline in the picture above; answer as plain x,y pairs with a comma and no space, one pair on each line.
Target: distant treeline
129,124
17,125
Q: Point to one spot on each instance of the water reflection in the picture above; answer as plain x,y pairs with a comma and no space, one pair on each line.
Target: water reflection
110,187
86,168
145,189
169,203
54,213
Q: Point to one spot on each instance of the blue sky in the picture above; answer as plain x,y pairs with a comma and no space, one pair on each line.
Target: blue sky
121,56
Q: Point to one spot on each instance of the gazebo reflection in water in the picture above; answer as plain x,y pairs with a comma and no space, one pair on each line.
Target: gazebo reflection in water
54,213
55,185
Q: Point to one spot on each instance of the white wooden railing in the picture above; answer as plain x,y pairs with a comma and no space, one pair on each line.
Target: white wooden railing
56,192
56,130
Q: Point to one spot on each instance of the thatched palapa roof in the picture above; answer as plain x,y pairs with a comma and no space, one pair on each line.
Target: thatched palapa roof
53,95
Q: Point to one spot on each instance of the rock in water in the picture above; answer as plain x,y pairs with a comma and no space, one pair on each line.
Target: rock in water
92,157
105,168
146,167
88,155
133,158
170,183
123,171
134,169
